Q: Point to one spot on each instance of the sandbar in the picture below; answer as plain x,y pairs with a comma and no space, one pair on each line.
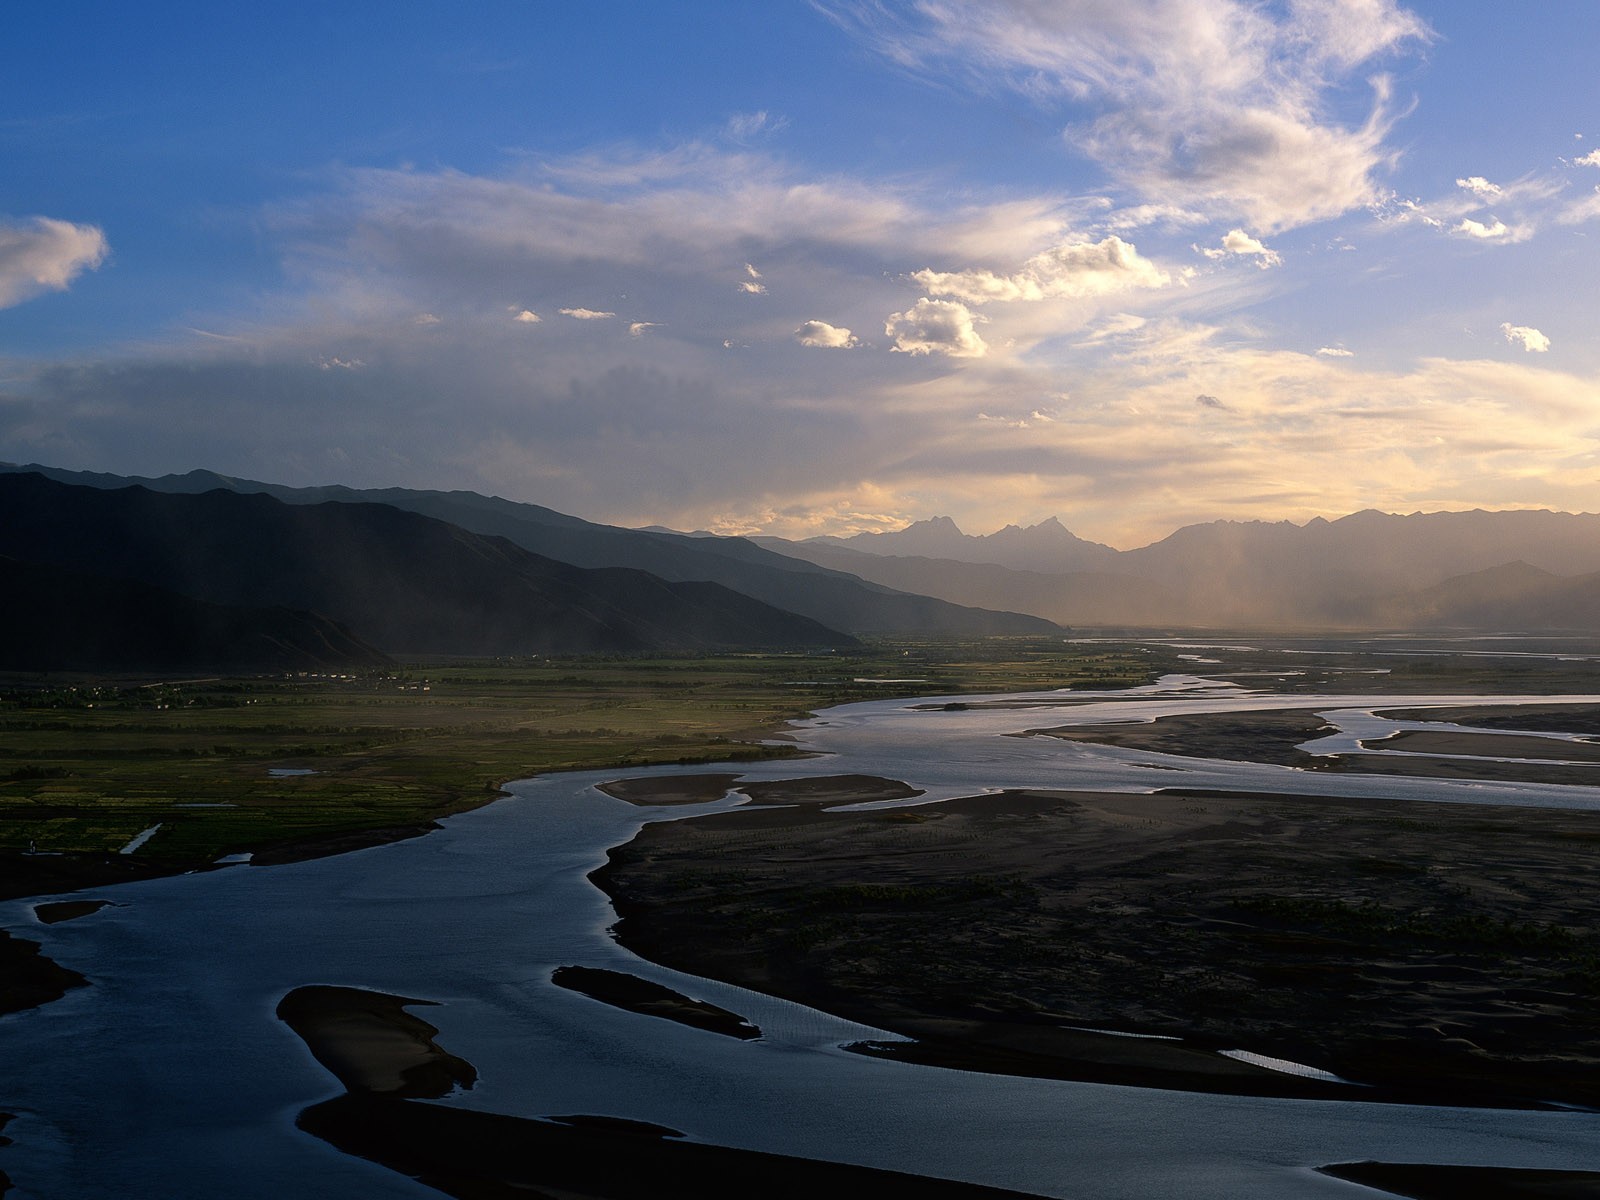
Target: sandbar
828,791
1429,1181
1276,736
371,1044
67,910
382,1055
1486,745
489,1156
670,789
823,790
652,1000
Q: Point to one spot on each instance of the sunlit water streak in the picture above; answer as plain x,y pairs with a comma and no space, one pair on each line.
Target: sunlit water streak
171,1078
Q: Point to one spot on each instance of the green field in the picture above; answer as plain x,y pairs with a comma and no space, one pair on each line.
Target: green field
87,765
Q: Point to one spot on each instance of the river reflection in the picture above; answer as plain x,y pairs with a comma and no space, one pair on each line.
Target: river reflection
171,1078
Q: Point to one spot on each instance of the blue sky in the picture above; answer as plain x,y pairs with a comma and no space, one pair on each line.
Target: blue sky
814,267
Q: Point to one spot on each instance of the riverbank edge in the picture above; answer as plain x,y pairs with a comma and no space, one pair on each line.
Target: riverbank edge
388,1062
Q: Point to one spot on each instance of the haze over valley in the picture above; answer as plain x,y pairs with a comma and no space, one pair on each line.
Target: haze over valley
398,571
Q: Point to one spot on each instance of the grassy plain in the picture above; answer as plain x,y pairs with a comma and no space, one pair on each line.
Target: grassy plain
87,765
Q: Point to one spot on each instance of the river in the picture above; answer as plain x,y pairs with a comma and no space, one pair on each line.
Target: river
171,1078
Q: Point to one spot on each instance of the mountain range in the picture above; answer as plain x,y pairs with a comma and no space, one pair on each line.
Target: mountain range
399,581
391,573
834,599
1525,570
205,569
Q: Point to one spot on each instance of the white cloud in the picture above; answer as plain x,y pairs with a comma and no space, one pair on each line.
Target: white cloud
426,319
639,327
1238,242
528,317
1069,270
751,271
41,254
1591,159
1335,352
1495,231
751,288
825,337
1214,104
936,327
1526,336
587,314
1479,186
341,364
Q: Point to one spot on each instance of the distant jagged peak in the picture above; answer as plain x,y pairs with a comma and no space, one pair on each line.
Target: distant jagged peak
1049,530
935,525
1047,546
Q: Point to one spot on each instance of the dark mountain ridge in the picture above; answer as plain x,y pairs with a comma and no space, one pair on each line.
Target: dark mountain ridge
831,598
57,619
1368,570
406,583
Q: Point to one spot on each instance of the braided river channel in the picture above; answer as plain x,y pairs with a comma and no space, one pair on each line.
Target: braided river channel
170,1076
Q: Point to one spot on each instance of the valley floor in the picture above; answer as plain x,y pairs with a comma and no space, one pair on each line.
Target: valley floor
1423,952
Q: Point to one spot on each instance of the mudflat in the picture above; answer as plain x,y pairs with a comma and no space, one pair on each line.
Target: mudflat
1488,745
1276,737
1428,953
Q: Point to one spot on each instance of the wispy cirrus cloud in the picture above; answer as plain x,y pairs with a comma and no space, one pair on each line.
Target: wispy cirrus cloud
42,254
1218,105
1479,207
748,126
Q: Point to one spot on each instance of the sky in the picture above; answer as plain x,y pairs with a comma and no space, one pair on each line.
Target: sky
814,267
